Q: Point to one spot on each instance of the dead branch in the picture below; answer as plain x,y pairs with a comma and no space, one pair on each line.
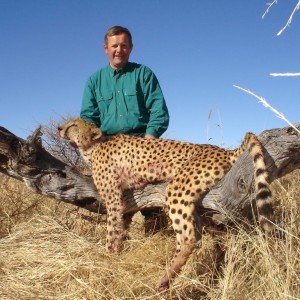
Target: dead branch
28,161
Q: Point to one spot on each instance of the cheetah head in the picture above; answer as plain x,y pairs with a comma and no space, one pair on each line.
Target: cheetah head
80,133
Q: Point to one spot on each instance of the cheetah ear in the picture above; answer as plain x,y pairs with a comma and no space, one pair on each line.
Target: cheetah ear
96,134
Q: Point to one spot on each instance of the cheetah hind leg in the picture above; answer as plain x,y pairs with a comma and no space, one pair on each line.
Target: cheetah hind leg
187,226
127,219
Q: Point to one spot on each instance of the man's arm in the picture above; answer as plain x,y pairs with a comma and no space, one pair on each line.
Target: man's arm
89,108
156,106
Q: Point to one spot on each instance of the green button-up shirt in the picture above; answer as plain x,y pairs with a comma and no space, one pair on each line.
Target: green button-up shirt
129,100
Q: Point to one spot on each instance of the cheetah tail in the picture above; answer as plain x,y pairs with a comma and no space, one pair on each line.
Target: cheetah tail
262,188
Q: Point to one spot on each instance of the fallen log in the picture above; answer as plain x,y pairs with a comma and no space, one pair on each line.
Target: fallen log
28,161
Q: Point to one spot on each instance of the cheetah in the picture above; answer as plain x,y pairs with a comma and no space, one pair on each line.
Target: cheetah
124,162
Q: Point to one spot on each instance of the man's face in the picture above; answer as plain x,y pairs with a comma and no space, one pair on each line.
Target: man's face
118,50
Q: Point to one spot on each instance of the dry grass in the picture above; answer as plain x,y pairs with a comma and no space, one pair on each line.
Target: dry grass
50,250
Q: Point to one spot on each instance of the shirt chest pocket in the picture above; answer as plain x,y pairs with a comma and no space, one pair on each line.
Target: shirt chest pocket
134,101
104,102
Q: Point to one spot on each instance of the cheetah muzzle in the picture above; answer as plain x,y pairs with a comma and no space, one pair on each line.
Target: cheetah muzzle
126,162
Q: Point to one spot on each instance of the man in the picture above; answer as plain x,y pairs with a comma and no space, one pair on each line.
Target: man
125,97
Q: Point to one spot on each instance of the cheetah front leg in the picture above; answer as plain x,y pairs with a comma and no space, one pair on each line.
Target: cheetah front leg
117,222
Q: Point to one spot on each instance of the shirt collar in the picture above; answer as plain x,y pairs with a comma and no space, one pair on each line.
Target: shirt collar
114,72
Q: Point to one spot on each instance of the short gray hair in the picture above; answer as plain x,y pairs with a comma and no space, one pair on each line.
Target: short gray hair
116,30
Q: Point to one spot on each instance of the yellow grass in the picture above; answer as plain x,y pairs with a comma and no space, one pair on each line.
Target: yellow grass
51,250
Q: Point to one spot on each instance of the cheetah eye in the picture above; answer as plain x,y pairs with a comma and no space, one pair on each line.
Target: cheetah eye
72,125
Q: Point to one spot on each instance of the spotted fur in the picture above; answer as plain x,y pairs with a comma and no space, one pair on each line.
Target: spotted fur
124,162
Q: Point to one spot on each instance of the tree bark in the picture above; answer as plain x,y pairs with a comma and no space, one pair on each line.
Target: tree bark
28,161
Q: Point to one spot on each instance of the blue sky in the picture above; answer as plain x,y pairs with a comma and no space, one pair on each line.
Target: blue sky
197,49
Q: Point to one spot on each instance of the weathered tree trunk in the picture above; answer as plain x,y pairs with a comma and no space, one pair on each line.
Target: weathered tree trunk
28,161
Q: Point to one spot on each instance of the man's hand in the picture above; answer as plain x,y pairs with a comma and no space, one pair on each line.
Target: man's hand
150,136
